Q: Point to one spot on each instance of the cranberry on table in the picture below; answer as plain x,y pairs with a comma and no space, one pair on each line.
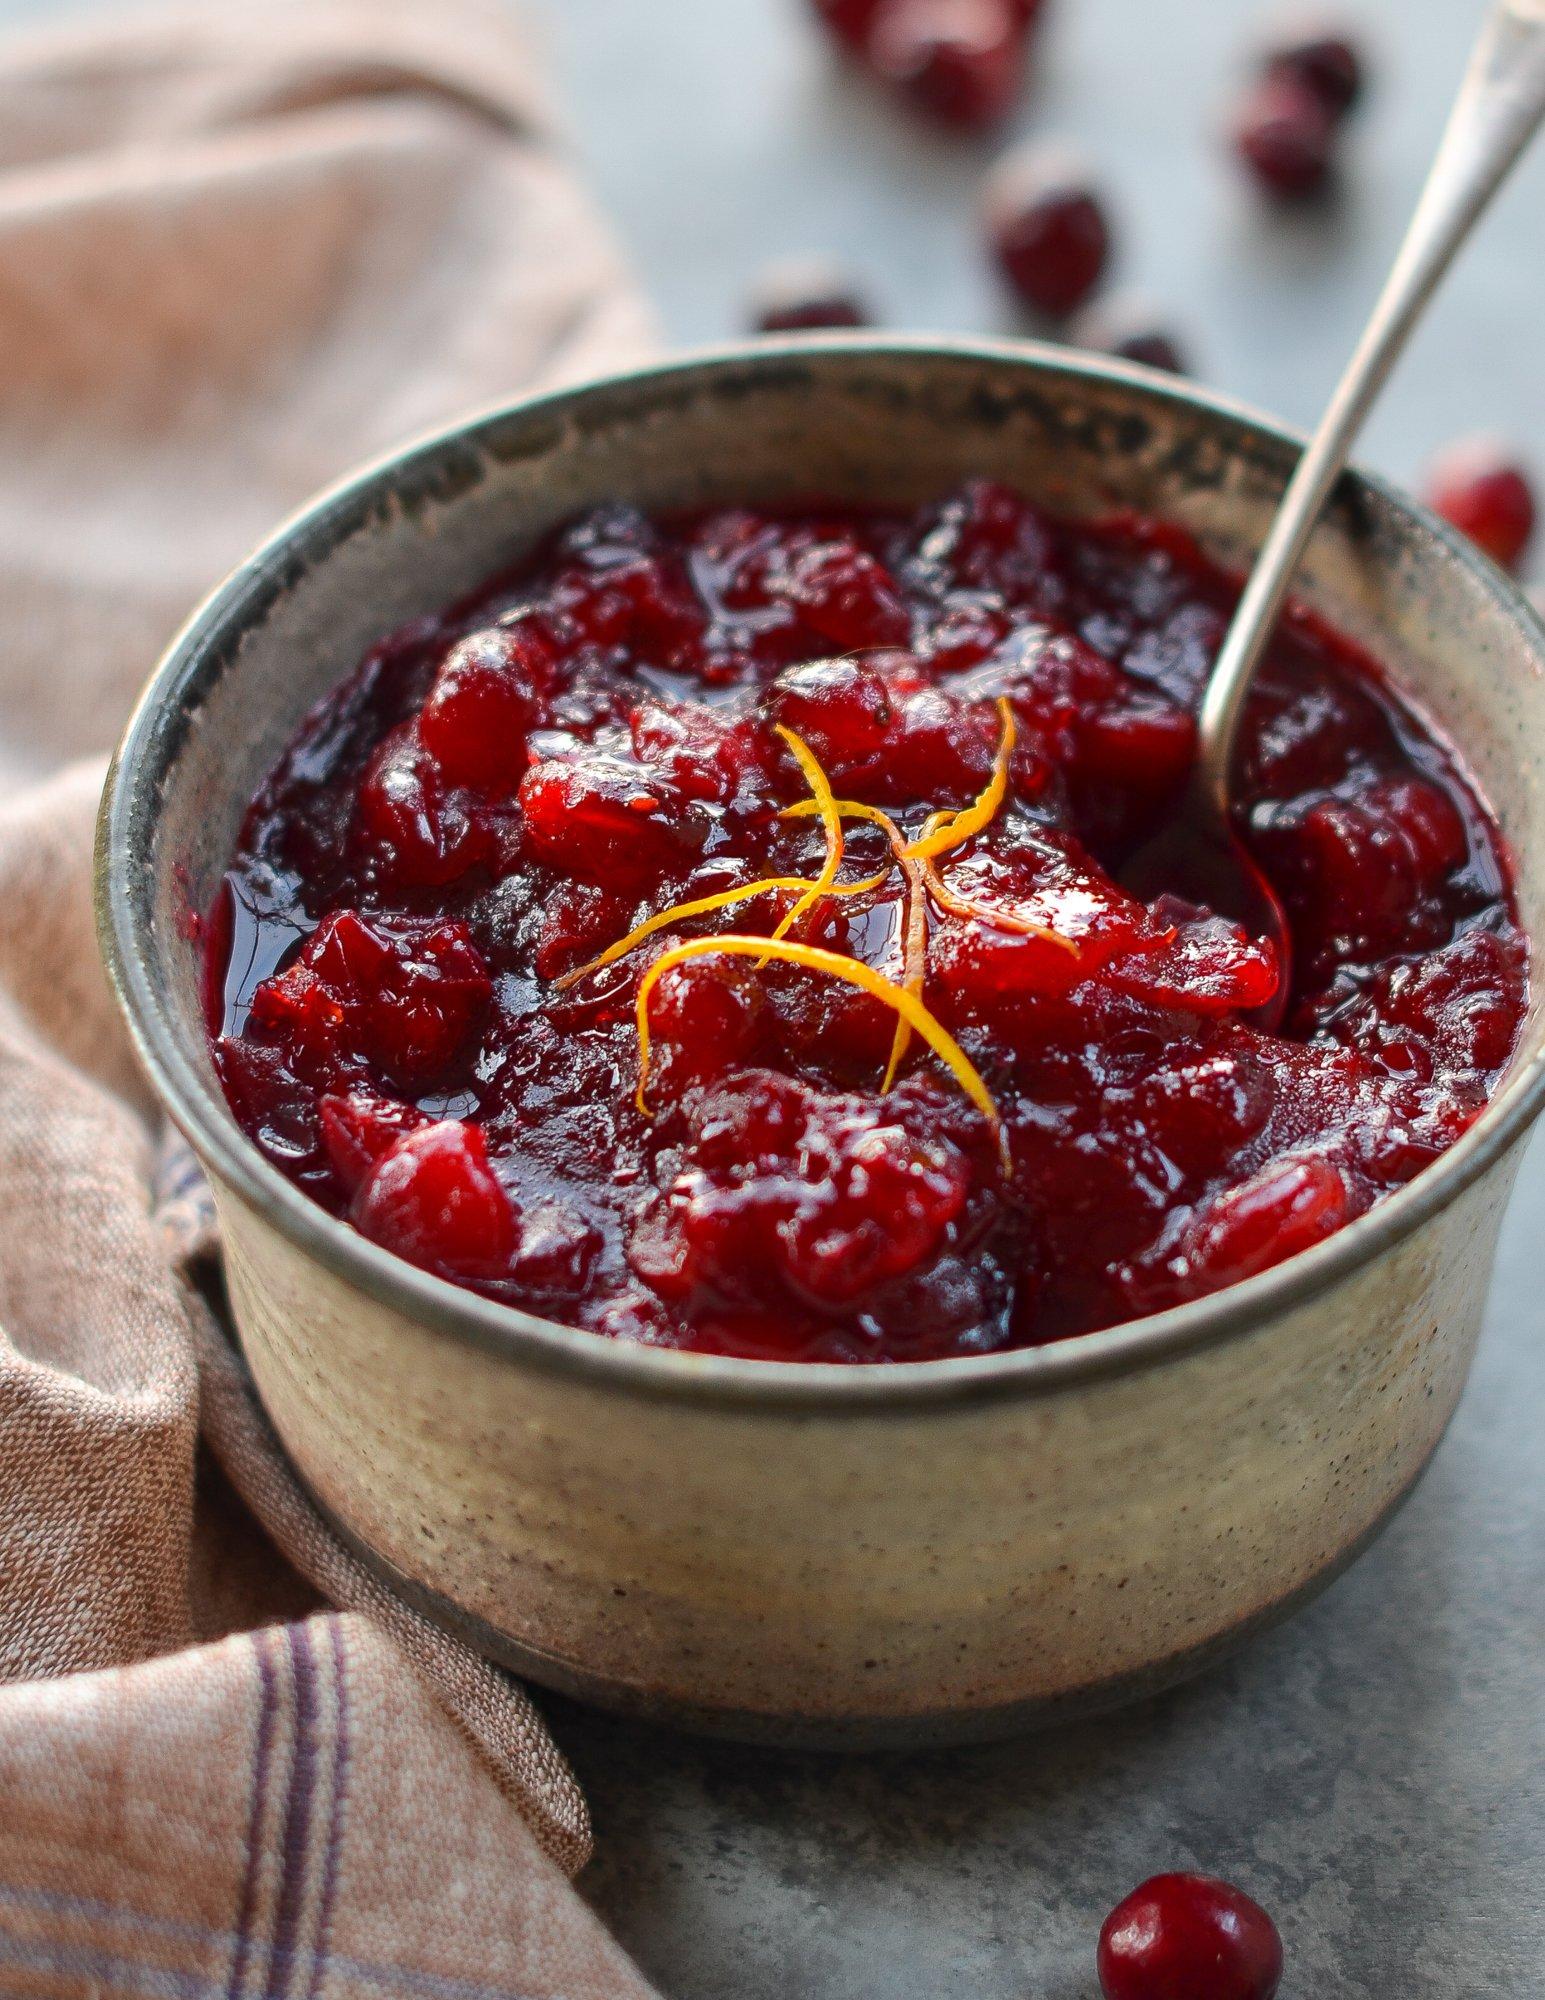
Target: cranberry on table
1286,138
1048,231
959,62
1479,488
1152,347
802,295
1189,1937
1327,63
848,21
1131,330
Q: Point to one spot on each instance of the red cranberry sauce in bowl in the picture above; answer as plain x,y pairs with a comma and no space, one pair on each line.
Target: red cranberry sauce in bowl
711,935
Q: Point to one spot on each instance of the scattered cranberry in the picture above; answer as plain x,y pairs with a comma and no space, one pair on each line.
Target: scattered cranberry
1048,232
1287,138
1132,331
1484,493
959,62
849,21
1188,1937
803,294
1327,64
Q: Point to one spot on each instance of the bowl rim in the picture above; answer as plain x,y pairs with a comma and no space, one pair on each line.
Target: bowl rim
133,788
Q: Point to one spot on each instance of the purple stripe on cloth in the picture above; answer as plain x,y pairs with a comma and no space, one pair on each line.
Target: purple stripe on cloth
100,1972
262,1759
295,1835
393,1979
335,1807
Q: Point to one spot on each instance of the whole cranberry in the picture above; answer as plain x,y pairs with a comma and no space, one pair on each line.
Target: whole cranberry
433,1198
958,62
477,715
801,294
848,21
1048,231
1325,62
1189,1937
1286,137
1132,330
1483,491
846,596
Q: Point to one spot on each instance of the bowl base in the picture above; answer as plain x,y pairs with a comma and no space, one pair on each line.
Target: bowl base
927,1729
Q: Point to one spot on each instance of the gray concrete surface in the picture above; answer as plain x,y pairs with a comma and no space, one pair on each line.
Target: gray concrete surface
1375,1771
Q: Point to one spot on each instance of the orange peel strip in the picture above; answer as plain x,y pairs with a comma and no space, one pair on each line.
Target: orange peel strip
831,823
992,914
953,829
703,906
915,941
854,972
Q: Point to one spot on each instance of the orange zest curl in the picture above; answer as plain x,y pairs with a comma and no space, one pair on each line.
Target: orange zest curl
851,970
831,823
993,914
702,906
948,830
915,946
942,833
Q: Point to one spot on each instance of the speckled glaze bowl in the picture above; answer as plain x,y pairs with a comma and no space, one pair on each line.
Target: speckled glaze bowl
799,1553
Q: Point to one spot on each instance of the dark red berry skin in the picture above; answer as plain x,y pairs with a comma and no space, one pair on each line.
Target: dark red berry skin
1328,65
433,1199
1477,487
804,296
1286,138
810,315
847,21
960,63
1154,350
475,720
1189,1937
1048,234
1131,332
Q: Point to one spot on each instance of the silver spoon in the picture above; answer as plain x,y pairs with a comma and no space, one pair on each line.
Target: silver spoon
1198,856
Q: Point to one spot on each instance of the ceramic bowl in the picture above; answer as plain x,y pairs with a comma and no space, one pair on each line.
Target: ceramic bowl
805,1553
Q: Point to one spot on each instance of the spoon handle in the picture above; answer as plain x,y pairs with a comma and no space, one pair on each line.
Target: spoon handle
1499,108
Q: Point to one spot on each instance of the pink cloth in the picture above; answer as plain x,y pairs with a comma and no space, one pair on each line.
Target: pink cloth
240,250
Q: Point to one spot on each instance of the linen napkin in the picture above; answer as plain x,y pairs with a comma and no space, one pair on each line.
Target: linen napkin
241,249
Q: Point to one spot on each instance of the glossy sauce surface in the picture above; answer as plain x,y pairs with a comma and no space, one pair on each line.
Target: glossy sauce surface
499,795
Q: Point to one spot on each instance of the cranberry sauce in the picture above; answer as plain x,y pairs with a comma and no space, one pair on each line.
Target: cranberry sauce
977,712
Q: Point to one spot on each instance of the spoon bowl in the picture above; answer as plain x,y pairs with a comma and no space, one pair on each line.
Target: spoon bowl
1196,857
